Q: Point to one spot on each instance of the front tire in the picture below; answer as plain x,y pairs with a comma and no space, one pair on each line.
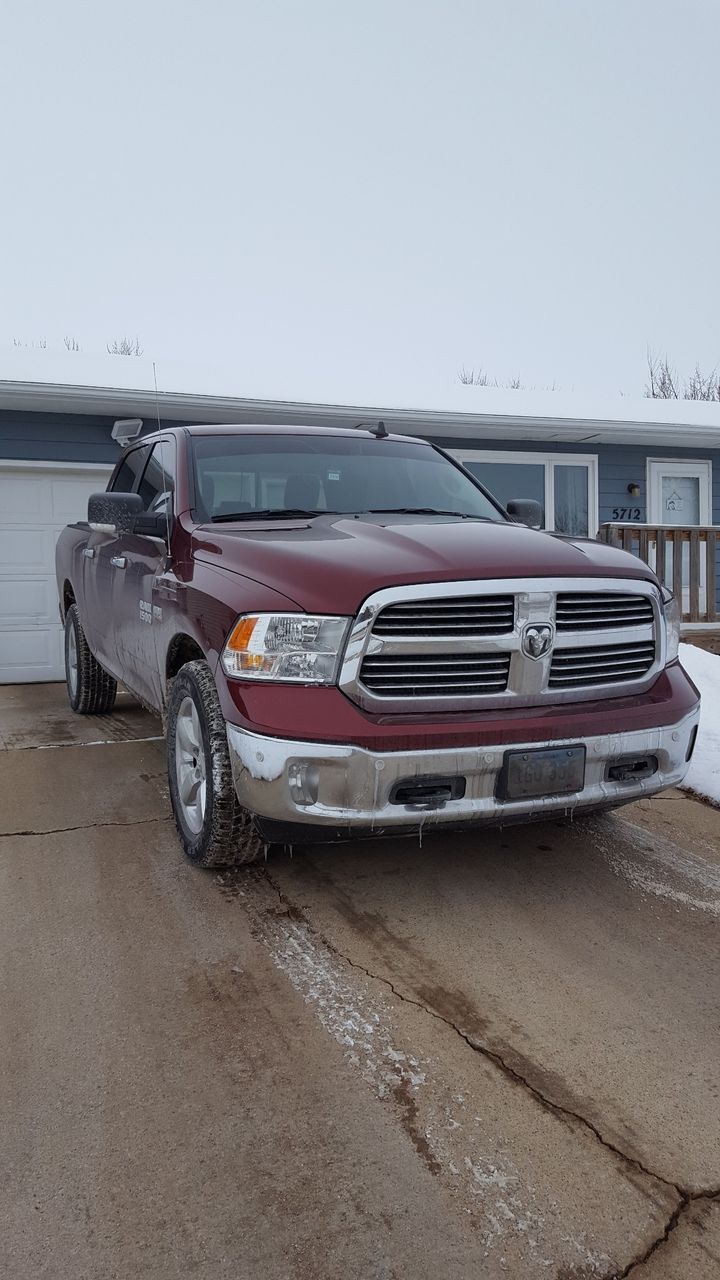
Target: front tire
91,691
214,829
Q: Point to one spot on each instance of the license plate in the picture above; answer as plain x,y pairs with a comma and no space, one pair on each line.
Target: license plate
545,772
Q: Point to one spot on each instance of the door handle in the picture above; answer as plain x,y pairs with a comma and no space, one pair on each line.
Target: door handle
118,561
89,552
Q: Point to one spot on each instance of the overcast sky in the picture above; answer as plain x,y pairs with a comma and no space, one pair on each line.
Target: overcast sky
397,187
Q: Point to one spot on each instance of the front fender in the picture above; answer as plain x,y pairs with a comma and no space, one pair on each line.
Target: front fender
203,606
215,598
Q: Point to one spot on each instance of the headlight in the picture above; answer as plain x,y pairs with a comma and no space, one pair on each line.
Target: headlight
299,647
673,619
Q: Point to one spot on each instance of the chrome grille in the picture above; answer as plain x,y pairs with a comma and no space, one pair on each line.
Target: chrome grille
410,675
588,611
457,616
454,646
600,664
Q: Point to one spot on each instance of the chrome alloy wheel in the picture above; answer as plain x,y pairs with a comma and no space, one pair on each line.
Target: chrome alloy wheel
190,766
72,661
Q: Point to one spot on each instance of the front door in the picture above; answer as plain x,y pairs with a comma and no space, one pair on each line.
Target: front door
680,495
134,589
104,560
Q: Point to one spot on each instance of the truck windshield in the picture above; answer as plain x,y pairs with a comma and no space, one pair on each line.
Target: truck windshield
247,476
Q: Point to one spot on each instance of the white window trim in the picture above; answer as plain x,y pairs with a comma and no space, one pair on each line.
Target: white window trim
548,460
692,467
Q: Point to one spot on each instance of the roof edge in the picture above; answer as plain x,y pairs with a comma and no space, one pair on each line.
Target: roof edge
187,407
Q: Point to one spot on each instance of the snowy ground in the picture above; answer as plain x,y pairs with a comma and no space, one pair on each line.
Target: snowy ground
704,669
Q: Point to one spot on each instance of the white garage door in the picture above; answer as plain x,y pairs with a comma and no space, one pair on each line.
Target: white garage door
35,504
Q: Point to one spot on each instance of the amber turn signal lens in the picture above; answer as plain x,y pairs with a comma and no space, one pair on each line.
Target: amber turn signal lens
241,635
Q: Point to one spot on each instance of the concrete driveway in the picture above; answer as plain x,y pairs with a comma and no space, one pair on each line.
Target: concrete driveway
495,1055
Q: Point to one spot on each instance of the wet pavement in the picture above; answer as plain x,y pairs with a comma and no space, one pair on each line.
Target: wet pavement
494,1055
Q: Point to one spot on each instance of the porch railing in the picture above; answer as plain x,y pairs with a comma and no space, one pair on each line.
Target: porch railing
686,560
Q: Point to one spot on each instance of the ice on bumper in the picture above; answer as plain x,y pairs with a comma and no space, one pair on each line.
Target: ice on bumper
347,786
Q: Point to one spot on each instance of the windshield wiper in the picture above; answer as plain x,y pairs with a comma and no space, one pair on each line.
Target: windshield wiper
423,511
272,513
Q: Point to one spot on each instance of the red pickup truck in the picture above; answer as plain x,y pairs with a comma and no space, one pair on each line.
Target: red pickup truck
344,632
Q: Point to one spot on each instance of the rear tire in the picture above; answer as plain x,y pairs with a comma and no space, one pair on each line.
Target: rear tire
214,829
91,691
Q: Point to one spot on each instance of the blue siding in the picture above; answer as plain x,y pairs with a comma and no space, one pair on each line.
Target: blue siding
58,437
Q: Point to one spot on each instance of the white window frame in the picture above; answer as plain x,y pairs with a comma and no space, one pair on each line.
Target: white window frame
548,460
695,469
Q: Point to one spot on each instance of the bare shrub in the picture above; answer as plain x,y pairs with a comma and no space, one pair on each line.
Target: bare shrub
481,378
125,347
664,383
476,378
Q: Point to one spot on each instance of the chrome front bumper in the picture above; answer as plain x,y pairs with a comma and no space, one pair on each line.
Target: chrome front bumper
345,787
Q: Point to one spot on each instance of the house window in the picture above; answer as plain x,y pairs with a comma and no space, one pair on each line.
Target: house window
565,485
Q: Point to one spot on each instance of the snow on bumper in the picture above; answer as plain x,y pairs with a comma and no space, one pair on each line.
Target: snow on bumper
324,784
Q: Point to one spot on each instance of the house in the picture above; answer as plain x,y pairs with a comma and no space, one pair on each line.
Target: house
643,463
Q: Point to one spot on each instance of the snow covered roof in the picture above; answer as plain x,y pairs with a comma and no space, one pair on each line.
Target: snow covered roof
120,386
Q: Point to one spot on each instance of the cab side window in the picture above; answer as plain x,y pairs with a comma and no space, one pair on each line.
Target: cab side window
131,468
157,485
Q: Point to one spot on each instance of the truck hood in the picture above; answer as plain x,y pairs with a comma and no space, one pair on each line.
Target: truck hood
331,564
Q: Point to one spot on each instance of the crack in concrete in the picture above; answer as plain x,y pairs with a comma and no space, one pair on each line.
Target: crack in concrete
658,1243
686,1197
60,746
673,1222
86,826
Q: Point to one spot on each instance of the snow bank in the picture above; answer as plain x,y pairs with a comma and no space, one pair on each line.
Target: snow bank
704,773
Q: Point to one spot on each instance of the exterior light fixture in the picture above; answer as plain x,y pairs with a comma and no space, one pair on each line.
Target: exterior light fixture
126,429
634,490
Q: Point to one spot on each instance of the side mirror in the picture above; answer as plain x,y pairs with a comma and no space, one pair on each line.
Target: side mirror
114,512
525,511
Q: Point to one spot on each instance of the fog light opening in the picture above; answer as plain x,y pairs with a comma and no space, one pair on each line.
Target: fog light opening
303,782
691,744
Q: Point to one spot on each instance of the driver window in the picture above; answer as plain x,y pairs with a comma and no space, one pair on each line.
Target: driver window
157,485
130,468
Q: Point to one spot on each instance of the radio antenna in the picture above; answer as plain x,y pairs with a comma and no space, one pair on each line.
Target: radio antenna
167,491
